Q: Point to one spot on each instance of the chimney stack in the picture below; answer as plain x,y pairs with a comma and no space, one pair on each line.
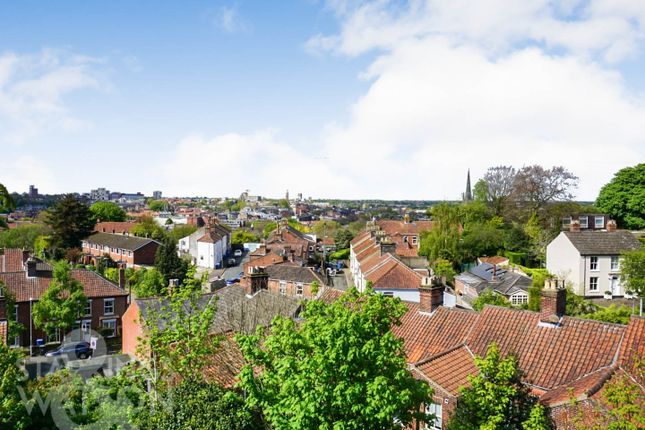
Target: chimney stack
431,293
31,267
611,225
387,245
122,278
258,279
574,227
553,301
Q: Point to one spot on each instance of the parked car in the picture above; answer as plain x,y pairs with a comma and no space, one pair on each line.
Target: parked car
72,351
237,253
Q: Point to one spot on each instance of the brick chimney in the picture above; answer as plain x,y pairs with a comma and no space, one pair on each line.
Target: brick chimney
258,279
611,225
574,226
122,277
553,301
430,293
31,267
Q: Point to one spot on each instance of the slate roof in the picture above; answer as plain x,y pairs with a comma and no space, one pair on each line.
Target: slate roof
214,233
131,243
480,277
288,272
598,242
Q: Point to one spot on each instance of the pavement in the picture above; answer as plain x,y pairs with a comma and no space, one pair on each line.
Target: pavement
106,365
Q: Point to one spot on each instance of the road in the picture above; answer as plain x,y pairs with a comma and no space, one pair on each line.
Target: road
106,365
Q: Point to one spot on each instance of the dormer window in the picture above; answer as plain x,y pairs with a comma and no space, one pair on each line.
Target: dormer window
566,221
584,222
599,221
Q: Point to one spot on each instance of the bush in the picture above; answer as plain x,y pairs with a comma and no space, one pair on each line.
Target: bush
343,254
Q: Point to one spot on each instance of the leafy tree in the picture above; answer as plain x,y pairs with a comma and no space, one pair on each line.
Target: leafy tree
488,297
356,226
496,398
577,305
70,222
342,238
442,241
157,205
13,414
107,211
624,197
168,263
23,236
341,367
182,230
62,303
481,239
148,283
199,406
500,181
632,271
7,204
480,191
325,227
284,203
239,237
148,227
444,268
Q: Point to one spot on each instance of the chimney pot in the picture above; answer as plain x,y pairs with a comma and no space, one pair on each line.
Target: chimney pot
611,225
574,226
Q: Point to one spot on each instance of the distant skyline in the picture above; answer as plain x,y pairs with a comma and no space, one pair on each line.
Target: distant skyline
354,100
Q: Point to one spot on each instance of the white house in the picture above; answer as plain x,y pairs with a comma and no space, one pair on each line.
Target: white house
208,246
590,260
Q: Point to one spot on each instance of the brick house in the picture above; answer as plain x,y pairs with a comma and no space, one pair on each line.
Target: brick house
115,227
283,278
129,250
287,240
27,279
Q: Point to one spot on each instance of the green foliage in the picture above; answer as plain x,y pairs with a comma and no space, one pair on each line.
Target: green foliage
444,268
626,401
325,227
632,271
12,410
342,238
199,406
157,205
148,283
107,211
62,303
342,254
41,244
480,191
239,237
442,241
497,399
168,263
488,297
612,314
623,198
284,204
481,240
534,298
340,368
70,222
147,227
577,305
182,230
23,236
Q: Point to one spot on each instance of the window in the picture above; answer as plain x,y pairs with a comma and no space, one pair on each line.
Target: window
1,292
566,221
415,239
16,341
519,299
593,283
388,293
593,263
436,410
599,221
15,313
88,307
615,263
129,253
405,239
584,222
86,325
108,307
110,328
299,289
283,288
54,337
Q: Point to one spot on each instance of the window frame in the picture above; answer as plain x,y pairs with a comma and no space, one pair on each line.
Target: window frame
105,302
437,410
519,299
593,282
300,289
599,218
593,264
586,222
105,325
614,262
282,288
88,304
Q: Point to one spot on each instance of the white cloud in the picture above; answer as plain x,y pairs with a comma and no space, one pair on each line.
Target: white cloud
228,19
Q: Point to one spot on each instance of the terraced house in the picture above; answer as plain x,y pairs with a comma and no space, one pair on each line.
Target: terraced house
131,251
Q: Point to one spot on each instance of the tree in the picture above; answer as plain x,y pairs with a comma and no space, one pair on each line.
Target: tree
324,228
239,237
23,236
444,268
62,303
107,211
632,273
157,205
70,222
13,414
500,181
496,398
480,191
7,204
341,367
182,230
442,241
148,283
148,227
168,263
488,297
342,238
534,186
624,197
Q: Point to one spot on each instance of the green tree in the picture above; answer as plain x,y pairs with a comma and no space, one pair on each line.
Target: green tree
442,241
632,271
480,191
612,313
148,227
342,238
7,204
148,283
70,222
168,263
624,197
62,303
23,236
107,211
239,237
496,398
182,230
488,297
325,227
341,368
13,414
444,268
157,205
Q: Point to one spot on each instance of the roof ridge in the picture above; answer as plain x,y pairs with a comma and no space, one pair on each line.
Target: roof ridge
441,354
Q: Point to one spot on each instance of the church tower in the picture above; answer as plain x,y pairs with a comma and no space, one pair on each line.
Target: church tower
468,195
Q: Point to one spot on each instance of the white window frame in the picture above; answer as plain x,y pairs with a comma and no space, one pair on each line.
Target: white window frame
54,338
615,262
15,313
519,299
282,287
108,323
586,222
105,305
599,218
299,289
593,283
415,240
593,264
16,342
88,304
388,293
86,325
437,410
566,221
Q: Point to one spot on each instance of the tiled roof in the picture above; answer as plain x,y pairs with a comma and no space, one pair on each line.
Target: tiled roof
131,243
360,238
598,242
214,233
393,227
428,334
3,332
25,288
114,227
330,295
287,272
481,276
394,275
633,348
226,364
549,356
265,260
449,369
493,260
12,260
580,389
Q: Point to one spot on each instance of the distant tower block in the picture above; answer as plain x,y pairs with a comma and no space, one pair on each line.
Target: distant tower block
156,195
33,192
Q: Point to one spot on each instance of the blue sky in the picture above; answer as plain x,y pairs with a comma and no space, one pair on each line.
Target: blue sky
332,99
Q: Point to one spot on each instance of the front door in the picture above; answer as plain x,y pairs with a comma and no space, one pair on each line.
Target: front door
615,286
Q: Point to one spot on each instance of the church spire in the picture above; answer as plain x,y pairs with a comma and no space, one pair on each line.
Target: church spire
468,195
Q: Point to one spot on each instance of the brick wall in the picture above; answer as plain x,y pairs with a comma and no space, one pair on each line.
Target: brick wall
131,330
274,287
146,254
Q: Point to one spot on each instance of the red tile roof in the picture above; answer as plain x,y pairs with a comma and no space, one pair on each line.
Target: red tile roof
394,227
495,260
580,389
25,288
360,238
330,295
114,227
13,260
225,364
394,275
449,369
633,348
